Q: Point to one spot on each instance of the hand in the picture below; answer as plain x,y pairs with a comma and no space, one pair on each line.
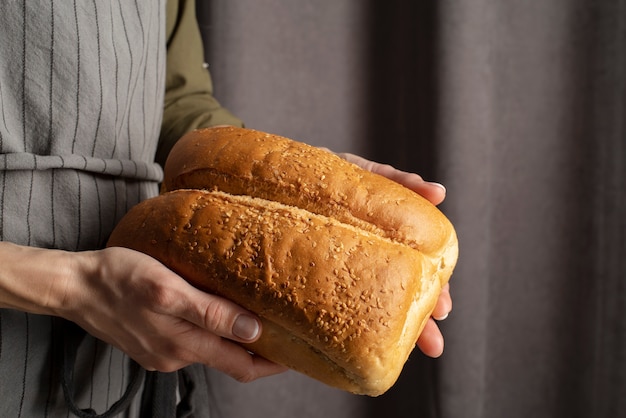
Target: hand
434,192
135,303
431,340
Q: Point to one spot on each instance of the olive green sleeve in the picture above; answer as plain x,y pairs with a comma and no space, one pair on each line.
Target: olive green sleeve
189,101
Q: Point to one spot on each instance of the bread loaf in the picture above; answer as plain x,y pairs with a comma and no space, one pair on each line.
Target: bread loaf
343,266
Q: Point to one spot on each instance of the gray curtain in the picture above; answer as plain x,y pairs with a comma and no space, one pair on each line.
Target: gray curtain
518,107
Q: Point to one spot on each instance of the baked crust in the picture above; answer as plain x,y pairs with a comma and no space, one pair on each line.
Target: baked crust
253,163
343,287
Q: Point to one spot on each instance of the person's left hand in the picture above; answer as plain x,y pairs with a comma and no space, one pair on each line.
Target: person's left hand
431,340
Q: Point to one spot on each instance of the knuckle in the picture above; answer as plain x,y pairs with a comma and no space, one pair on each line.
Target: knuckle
173,357
383,169
371,166
216,317
171,350
246,376
158,295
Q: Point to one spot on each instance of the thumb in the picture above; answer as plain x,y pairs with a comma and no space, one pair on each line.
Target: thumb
219,316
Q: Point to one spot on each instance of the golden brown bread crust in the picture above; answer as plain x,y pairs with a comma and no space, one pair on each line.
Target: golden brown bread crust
253,163
344,267
317,283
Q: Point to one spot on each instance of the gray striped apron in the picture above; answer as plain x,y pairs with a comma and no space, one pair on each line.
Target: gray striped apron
81,96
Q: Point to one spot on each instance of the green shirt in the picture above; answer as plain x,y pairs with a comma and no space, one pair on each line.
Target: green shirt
189,101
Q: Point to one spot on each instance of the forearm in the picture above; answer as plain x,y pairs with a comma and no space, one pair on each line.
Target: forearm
134,303
36,280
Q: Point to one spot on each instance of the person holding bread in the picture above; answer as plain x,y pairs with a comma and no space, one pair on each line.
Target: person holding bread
93,96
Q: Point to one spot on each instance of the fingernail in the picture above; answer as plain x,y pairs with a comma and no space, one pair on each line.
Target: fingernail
441,186
246,327
441,318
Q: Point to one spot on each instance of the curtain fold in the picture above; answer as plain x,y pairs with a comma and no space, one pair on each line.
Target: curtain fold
531,141
518,107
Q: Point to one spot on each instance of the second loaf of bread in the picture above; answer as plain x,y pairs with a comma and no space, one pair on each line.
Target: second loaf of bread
342,266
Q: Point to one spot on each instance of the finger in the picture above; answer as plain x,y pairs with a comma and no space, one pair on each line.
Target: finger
433,192
216,315
444,304
240,364
431,340
200,346
227,319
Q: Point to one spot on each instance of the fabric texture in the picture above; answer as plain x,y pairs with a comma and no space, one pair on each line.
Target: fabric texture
81,105
532,145
83,87
518,107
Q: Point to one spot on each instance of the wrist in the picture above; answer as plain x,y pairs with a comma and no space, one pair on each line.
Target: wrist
39,281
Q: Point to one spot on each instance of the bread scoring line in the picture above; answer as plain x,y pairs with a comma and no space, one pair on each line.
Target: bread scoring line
263,204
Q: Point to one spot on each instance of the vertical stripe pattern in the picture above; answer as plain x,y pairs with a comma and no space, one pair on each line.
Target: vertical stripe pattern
81,101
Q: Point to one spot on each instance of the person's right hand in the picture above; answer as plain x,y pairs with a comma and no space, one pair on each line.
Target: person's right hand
431,340
135,303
